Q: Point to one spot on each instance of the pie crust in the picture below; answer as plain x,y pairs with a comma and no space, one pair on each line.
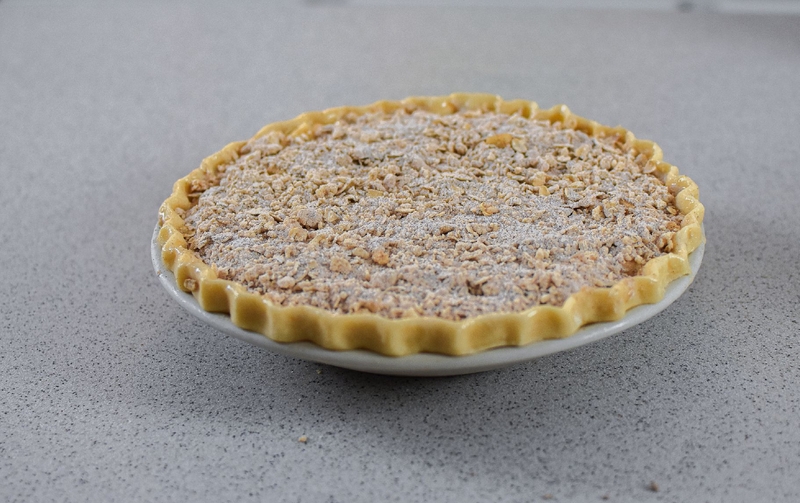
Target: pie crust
432,334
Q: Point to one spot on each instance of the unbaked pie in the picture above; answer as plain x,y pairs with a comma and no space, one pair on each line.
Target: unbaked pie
447,225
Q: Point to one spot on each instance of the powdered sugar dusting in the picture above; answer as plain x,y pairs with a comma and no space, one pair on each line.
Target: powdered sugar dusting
414,213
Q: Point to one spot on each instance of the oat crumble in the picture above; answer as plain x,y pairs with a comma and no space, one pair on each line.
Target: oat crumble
418,214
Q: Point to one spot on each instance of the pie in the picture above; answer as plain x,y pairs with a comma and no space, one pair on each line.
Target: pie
446,225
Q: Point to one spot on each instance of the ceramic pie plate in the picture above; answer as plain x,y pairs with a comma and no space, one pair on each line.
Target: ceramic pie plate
425,364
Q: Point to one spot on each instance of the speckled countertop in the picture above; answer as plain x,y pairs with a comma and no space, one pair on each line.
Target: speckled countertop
110,391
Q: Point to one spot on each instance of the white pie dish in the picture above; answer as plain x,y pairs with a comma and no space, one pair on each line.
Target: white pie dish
425,364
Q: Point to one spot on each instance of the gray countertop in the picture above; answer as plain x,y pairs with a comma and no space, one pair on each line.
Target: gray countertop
110,391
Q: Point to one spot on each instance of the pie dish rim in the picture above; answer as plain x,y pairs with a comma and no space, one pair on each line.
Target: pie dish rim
426,364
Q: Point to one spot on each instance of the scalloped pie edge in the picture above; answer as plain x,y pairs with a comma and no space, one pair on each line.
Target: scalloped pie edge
406,336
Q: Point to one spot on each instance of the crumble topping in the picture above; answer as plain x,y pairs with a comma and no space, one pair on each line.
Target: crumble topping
418,214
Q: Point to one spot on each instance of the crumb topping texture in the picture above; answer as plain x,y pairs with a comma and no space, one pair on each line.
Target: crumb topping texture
419,214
